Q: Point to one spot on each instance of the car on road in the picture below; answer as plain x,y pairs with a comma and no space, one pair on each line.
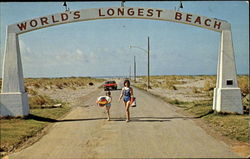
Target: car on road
110,85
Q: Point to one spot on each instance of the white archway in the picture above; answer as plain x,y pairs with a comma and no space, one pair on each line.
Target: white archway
14,99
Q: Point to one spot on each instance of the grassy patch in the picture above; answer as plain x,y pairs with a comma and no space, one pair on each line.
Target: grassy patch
209,85
60,83
200,111
15,131
42,101
233,126
175,101
243,82
142,86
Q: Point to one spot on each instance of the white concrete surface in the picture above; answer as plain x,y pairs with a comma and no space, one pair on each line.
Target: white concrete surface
227,98
14,104
13,98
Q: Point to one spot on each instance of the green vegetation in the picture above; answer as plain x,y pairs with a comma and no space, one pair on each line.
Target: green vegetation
42,101
167,82
209,85
232,125
243,82
60,83
15,131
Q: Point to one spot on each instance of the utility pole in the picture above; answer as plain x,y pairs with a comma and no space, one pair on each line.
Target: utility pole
148,64
148,52
130,72
134,69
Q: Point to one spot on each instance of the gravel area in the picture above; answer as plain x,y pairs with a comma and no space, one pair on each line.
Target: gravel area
184,92
69,95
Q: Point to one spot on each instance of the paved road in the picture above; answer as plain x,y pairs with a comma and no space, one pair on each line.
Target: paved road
156,131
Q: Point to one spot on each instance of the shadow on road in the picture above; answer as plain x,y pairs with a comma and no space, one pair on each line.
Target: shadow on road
157,119
165,118
39,118
133,119
44,119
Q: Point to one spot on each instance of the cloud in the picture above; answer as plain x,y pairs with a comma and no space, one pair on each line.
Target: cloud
72,57
24,48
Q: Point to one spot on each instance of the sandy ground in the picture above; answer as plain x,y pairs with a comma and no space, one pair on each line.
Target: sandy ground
68,95
183,93
156,131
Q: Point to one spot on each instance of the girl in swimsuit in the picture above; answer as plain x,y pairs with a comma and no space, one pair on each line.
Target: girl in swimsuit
108,105
127,93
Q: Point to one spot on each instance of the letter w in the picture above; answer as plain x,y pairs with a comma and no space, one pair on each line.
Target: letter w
22,26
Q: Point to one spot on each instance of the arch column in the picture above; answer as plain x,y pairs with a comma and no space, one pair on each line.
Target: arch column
13,98
227,94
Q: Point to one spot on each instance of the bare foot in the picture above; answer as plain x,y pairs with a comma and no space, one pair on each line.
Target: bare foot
108,119
127,120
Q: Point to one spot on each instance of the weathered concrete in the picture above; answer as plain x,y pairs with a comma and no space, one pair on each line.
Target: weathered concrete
13,98
14,104
229,100
227,97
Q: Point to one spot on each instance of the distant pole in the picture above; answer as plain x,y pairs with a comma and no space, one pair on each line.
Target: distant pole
148,63
134,69
130,72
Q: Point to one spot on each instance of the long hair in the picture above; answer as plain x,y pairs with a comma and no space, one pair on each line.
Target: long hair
108,93
126,81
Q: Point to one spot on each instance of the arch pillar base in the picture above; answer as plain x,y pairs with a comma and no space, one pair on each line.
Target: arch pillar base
227,100
14,104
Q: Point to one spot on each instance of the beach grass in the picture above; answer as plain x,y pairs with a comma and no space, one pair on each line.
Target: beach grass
232,125
16,130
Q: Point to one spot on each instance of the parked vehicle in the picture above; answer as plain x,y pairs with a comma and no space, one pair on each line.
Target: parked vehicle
110,85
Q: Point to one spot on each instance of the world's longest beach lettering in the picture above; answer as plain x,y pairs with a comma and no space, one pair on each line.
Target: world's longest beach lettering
119,12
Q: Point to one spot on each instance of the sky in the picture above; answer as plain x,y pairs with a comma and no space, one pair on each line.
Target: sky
101,47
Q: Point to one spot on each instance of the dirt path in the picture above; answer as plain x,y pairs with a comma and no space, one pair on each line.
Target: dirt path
156,131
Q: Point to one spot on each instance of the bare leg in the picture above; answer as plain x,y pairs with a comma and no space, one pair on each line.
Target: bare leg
125,107
127,111
107,110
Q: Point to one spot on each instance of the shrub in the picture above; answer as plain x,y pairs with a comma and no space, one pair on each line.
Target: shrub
142,85
169,85
31,91
39,101
59,85
243,83
175,101
208,86
195,90
36,85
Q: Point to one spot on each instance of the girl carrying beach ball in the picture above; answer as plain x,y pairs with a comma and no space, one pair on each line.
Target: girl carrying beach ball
105,101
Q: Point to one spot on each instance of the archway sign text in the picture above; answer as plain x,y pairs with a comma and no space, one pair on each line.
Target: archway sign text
124,12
